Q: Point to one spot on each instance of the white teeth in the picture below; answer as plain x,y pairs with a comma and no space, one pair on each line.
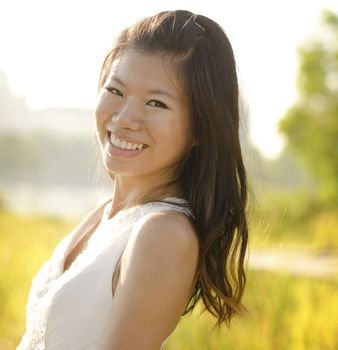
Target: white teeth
124,144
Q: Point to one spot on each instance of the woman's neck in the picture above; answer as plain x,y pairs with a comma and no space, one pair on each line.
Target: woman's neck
128,193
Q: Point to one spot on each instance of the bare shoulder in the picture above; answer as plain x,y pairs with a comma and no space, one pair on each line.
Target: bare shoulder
157,277
169,229
165,243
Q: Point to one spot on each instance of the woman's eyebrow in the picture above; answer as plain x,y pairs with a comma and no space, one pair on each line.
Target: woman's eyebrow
117,79
162,92
152,91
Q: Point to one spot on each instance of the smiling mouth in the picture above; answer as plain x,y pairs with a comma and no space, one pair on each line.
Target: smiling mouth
125,145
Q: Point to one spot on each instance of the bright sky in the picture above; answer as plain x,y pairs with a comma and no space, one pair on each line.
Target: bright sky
51,51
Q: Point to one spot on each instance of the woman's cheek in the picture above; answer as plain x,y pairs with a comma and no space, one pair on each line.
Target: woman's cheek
100,108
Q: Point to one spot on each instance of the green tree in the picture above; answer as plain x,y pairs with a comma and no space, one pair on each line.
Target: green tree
311,124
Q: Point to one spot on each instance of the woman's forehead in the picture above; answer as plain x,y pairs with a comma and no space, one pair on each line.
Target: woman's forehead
134,65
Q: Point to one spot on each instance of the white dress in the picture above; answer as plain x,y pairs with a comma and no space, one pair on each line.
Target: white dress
73,309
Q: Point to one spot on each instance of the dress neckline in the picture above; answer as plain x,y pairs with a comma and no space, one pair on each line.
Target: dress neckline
103,218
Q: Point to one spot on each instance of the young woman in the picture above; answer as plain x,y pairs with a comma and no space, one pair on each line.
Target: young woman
174,230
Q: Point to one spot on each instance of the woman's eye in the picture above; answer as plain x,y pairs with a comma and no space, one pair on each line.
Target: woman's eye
158,104
114,91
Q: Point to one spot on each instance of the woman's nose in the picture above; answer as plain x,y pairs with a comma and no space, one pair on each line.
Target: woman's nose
128,116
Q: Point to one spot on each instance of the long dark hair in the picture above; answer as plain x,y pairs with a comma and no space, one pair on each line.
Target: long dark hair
212,176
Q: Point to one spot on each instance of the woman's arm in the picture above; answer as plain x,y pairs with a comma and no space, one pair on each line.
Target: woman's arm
157,276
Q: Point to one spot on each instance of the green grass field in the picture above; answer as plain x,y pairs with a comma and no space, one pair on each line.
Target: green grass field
284,312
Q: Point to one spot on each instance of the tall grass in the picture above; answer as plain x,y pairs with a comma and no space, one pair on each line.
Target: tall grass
284,312
25,242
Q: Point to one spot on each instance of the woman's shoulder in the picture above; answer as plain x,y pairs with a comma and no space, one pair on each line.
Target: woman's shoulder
160,262
164,221
170,231
170,217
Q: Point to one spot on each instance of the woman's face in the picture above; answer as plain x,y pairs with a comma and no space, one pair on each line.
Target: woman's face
142,122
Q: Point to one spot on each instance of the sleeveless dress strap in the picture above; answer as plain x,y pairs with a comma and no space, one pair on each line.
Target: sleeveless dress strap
172,203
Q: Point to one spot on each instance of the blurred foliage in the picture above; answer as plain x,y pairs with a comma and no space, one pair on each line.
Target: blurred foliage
284,312
293,219
311,124
283,173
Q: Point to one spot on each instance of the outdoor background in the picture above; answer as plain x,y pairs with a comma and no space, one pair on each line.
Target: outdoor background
50,173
